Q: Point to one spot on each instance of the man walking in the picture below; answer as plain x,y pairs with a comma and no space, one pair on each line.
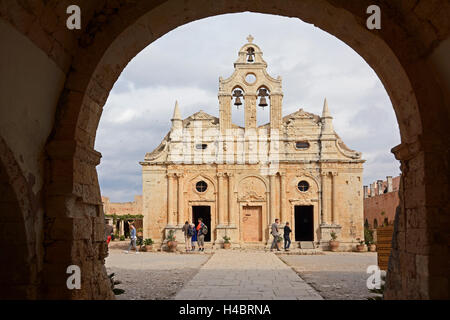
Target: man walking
287,237
188,233
275,233
133,239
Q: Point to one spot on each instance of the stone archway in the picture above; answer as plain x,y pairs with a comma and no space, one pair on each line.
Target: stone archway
408,55
19,262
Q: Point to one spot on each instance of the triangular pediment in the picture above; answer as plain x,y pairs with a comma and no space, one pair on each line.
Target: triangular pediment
301,114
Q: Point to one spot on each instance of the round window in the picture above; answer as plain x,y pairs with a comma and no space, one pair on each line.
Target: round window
250,78
201,186
303,186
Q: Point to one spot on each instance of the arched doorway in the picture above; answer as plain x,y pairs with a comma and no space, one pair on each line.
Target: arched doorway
405,57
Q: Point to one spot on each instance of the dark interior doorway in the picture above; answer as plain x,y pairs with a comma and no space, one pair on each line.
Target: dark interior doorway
304,223
203,212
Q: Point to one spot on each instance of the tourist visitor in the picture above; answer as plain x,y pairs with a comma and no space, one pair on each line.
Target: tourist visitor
194,237
188,232
275,233
287,237
109,232
201,234
132,239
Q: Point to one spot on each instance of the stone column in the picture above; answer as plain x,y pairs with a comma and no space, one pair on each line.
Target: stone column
390,186
224,111
250,111
335,200
276,118
283,197
170,221
220,200
380,190
231,217
180,211
273,216
366,192
372,189
121,228
324,198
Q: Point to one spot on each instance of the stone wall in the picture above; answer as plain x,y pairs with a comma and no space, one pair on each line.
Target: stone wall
376,203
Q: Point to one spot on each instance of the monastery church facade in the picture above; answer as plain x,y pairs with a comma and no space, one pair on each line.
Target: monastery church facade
240,179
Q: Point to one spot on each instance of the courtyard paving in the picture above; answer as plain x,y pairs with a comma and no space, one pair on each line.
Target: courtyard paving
152,276
335,275
241,275
244,275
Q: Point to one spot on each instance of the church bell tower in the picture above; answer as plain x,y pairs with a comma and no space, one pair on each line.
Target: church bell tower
250,87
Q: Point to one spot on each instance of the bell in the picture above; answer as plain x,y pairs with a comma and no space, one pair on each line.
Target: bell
238,102
250,58
263,102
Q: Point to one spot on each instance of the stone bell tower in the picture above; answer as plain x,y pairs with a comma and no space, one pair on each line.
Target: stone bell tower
250,86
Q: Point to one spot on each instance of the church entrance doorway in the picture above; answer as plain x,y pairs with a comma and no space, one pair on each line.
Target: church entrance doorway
304,223
252,224
203,212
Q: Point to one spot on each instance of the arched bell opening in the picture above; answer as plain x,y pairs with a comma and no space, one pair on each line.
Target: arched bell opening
238,106
263,104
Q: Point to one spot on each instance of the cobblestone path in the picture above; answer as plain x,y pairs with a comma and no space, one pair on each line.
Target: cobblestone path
246,276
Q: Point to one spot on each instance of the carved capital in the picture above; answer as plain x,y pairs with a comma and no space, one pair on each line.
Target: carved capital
220,174
229,174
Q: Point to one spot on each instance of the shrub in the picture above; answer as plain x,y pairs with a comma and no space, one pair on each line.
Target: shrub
333,235
171,236
226,239
148,242
368,236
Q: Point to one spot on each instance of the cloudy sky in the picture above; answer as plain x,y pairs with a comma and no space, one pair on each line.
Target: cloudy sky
186,63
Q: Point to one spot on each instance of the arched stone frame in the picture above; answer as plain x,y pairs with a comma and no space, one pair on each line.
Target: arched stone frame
309,198
19,259
189,203
263,203
420,154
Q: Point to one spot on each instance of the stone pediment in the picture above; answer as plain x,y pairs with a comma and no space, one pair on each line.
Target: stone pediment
201,116
301,115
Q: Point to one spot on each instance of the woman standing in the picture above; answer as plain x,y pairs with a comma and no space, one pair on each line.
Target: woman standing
194,237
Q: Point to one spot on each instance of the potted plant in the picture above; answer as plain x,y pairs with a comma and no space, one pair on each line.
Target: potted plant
372,247
226,242
334,244
140,232
147,245
171,241
360,247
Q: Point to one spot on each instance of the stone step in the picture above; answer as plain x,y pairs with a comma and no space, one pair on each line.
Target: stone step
306,245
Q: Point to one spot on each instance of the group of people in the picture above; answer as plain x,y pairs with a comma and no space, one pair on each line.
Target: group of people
195,235
275,232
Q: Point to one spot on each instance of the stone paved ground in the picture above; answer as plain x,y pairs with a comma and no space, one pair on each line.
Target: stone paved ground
152,276
246,275
335,275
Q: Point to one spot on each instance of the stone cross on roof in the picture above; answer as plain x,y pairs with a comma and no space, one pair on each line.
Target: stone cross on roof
250,38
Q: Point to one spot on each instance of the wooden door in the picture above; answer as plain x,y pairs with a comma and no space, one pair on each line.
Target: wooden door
252,224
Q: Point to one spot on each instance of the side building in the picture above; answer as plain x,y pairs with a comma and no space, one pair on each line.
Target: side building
119,214
380,202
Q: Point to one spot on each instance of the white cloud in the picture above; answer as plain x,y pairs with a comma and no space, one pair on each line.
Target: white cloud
186,63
